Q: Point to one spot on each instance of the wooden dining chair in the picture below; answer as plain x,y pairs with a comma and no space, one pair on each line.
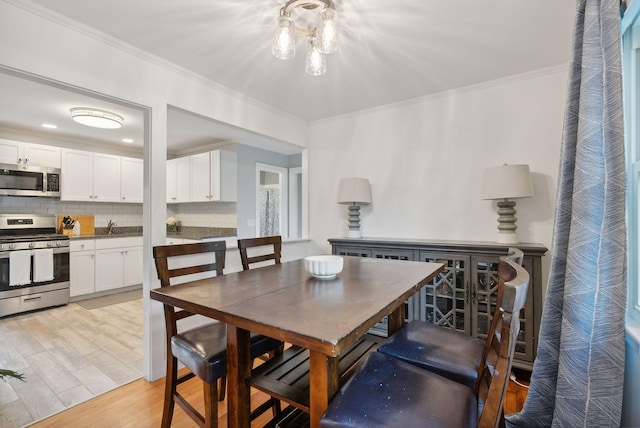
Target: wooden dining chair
386,391
274,242
203,350
449,353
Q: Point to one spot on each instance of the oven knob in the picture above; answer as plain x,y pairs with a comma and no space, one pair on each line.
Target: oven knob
32,244
12,246
49,244
58,243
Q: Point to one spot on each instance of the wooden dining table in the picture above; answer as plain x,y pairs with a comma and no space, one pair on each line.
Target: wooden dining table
285,302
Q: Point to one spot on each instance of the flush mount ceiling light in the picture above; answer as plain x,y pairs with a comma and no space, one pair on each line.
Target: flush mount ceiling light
323,38
96,118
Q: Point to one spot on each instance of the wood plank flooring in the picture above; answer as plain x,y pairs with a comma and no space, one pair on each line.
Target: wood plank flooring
139,404
71,355
68,355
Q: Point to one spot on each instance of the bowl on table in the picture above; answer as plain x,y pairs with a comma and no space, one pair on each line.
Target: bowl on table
323,267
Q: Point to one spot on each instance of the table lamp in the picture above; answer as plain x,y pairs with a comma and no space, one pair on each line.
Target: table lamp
354,192
504,183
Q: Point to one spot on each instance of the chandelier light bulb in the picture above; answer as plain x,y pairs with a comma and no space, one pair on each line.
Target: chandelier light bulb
316,63
284,39
327,31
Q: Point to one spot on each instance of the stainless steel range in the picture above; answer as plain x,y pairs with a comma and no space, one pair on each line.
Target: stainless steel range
34,263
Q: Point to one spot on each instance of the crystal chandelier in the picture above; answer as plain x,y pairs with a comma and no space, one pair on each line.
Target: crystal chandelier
323,38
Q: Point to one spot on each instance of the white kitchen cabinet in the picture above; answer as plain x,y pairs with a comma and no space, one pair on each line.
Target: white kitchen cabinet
132,180
132,266
118,263
106,177
76,182
214,176
29,154
178,186
88,176
200,170
81,267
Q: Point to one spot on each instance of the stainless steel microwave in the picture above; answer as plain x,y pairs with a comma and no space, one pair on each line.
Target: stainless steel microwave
19,180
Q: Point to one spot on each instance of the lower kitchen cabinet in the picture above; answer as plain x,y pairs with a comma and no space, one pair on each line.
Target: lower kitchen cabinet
118,263
463,296
98,265
82,267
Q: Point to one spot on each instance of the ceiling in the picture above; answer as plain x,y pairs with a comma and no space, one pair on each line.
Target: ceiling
390,51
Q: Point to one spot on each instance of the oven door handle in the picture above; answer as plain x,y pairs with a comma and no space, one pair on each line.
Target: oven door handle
59,250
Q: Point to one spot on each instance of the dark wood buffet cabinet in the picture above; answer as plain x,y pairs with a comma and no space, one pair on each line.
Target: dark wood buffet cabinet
463,296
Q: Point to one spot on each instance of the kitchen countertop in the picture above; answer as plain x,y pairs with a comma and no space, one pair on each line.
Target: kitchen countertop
186,232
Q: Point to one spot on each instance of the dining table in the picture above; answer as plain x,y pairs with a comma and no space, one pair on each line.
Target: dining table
285,302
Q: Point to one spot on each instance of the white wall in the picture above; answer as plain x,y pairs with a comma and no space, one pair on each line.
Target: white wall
37,43
425,158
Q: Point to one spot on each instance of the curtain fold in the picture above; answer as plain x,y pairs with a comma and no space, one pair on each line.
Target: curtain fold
578,374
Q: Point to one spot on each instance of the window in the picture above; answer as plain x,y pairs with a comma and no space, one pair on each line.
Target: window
272,183
630,28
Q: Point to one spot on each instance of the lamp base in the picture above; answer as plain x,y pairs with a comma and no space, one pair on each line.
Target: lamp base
507,238
354,222
507,222
354,234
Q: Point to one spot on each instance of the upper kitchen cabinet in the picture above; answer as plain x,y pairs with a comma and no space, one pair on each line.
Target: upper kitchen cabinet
88,176
214,176
132,180
29,154
178,187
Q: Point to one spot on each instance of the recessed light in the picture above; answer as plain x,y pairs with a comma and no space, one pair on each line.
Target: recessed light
49,125
127,140
96,117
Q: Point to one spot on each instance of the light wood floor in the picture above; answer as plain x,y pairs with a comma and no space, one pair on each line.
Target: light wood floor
139,404
68,355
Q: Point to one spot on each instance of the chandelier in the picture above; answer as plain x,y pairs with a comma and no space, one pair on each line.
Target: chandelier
323,38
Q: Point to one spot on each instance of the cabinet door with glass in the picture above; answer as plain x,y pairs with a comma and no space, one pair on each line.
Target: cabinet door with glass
444,301
483,304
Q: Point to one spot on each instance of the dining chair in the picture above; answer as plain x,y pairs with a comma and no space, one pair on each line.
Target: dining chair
447,352
203,349
273,243
386,391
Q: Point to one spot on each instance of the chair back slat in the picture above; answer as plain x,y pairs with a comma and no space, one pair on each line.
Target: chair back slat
274,241
493,387
492,344
215,263
163,253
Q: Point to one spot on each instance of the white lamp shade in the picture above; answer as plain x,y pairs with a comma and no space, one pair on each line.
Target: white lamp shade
507,182
354,191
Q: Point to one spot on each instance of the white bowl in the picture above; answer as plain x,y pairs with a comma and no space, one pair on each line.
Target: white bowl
323,267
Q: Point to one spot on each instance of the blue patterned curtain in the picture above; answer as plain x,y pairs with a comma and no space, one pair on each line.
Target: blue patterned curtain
578,374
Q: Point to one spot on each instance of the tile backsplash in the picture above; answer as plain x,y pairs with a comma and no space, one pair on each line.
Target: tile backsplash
215,214
205,214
